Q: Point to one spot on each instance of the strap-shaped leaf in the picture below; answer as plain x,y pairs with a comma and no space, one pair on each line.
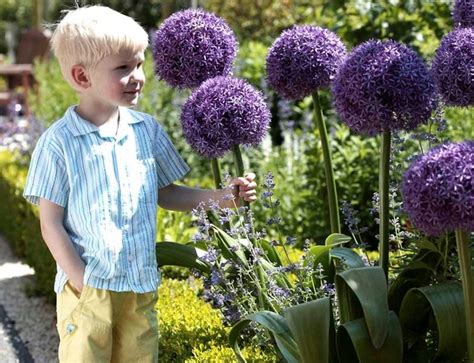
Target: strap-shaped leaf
362,292
405,281
276,325
350,258
353,343
230,247
337,239
312,326
177,254
443,302
271,252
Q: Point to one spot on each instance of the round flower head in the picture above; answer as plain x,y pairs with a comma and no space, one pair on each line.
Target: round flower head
192,46
302,60
224,112
438,189
453,66
383,85
463,15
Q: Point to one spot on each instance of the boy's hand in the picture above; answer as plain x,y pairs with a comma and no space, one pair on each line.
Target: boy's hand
244,187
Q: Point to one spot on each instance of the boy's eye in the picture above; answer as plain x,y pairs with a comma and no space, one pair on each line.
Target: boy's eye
123,66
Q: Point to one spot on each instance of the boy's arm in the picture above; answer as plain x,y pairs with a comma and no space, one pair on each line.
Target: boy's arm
59,243
182,198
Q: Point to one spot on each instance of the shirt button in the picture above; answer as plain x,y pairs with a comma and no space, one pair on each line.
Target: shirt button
70,328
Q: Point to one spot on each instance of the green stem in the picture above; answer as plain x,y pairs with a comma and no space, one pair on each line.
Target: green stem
216,172
462,240
384,180
239,166
330,182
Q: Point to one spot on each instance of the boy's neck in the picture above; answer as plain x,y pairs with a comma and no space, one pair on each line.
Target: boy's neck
98,115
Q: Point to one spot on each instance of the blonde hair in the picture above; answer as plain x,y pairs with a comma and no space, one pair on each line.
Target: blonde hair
87,35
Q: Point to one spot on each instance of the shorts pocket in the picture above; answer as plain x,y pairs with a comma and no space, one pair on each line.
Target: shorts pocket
69,308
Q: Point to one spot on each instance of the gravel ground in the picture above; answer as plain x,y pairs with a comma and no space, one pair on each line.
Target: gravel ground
28,326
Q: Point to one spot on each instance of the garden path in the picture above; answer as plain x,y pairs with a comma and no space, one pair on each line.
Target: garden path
27,324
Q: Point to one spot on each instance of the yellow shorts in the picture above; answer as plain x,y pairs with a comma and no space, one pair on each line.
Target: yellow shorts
107,326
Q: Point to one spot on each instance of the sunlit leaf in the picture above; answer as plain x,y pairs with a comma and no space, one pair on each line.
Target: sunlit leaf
362,293
177,254
276,325
312,326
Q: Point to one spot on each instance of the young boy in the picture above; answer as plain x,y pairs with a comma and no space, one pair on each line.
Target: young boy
98,174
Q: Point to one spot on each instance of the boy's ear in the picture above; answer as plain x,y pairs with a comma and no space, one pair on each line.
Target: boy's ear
80,76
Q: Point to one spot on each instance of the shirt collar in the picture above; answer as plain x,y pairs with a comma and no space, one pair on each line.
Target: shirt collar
80,126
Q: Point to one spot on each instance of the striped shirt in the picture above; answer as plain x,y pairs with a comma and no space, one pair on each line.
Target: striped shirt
108,185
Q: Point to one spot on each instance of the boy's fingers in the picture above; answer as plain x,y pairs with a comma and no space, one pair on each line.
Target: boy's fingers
248,193
240,181
250,176
249,186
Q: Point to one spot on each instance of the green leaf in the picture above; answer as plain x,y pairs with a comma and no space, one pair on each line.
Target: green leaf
271,252
354,343
337,239
231,248
312,326
362,292
348,256
276,325
443,302
320,255
405,281
177,254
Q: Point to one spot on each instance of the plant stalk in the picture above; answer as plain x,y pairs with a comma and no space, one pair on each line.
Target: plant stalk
462,240
239,167
384,182
330,182
216,172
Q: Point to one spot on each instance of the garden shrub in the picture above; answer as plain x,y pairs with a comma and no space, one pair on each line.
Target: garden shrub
186,322
219,354
19,223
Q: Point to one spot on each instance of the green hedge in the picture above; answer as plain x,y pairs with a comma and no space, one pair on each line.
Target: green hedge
19,223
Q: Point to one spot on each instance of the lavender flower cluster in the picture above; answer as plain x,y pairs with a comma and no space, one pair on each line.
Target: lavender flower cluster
383,85
438,189
192,46
224,112
302,60
453,67
234,286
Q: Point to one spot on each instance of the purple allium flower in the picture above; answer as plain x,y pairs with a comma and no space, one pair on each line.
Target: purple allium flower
224,112
438,189
303,59
383,85
463,15
453,67
192,46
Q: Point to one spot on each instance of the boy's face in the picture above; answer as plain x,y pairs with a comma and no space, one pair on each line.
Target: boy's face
117,80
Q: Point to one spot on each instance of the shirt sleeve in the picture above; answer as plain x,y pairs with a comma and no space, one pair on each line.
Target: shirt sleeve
171,166
47,178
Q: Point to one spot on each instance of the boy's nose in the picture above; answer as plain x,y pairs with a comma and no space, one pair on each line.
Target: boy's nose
138,75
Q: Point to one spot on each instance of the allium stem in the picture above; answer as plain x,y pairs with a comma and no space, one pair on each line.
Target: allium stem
384,181
216,172
330,182
239,165
462,240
